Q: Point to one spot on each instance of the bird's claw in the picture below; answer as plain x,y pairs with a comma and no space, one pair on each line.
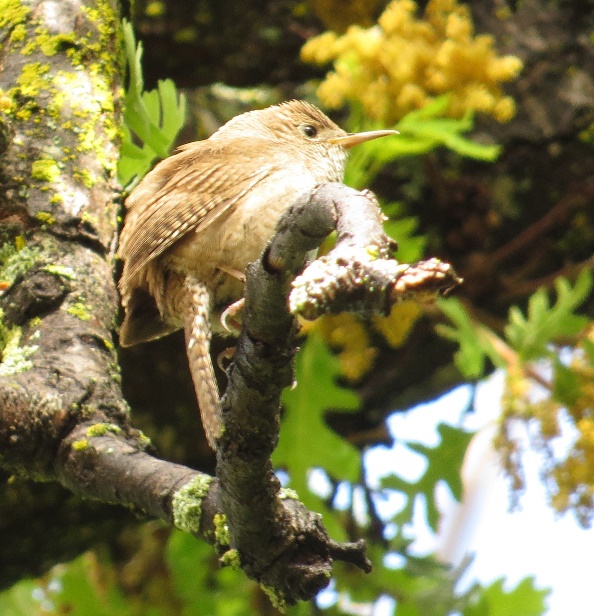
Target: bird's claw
228,315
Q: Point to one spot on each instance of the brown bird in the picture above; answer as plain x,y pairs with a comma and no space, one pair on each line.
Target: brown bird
200,216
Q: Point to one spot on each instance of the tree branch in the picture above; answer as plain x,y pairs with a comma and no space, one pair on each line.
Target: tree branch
282,545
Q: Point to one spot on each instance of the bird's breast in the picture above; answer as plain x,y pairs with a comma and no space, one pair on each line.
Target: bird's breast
237,237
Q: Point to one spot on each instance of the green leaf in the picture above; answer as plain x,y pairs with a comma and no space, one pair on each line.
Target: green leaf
444,463
201,585
475,346
447,132
402,228
82,586
18,600
82,590
435,108
421,131
306,441
396,582
530,335
427,124
588,347
524,600
187,559
152,119
424,129
566,384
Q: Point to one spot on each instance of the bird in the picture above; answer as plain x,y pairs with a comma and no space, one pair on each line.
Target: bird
195,222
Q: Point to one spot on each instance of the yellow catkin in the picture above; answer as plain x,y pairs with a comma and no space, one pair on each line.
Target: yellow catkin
404,61
396,327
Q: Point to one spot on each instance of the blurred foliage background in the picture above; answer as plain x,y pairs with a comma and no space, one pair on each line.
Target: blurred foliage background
493,172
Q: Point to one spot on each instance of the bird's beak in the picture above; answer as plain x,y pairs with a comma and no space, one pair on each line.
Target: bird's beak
351,139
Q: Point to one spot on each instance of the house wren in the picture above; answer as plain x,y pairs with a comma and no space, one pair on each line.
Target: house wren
200,216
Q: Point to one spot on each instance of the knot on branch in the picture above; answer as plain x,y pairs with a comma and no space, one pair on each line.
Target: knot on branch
304,566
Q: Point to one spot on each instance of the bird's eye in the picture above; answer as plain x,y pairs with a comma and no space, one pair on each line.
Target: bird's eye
309,131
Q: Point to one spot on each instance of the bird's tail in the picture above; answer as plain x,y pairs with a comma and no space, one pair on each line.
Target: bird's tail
198,333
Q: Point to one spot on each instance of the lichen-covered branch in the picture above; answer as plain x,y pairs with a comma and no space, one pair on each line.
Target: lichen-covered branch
62,414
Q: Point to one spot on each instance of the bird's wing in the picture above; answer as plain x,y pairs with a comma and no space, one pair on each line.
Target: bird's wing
188,190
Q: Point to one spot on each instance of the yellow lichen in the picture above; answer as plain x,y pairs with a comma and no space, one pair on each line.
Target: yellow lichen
18,34
49,44
231,558
80,444
12,13
5,102
85,90
45,218
45,170
101,429
277,598
79,310
32,79
404,62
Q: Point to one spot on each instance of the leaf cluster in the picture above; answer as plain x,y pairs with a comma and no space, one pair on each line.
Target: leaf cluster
152,119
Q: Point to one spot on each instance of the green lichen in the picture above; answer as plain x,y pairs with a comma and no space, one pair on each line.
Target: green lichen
15,260
222,538
231,558
143,439
12,13
80,444
15,358
101,429
60,270
45,170
45,217
79,310
288,493
187,503
276,597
